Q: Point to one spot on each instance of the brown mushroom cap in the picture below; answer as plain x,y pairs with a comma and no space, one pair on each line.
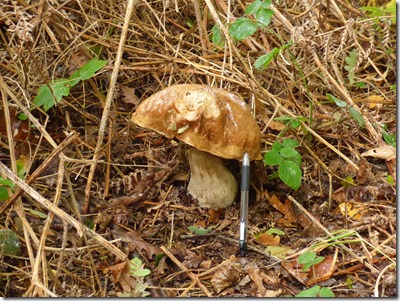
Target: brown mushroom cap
207,118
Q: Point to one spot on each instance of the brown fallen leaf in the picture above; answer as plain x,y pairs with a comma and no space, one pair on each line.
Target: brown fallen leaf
215,215
386,152
254,273
135,241
322,269
129,95
226,276
266,239
286,209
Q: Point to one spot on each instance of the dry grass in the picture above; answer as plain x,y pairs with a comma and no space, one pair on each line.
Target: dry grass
74,178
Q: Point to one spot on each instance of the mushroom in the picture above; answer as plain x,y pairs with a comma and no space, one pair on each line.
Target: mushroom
217,124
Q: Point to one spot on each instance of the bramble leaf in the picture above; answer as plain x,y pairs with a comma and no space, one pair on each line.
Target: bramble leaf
242,28
290,173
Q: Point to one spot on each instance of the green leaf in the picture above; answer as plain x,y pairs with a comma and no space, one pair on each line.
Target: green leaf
36,213
263,61
351,60
272,158
253,7
290,143
91,67
277,146
3,193
142,272
357,116
306,257
288,152
389,138
22,116
264,16
44,97
290,173
389,179
338,102
326,292
135,263
242,28
273,231
9,243
6,182
216,36
311,292
198,231
295,123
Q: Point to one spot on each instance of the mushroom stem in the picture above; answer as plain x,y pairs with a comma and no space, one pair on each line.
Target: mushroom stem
211,183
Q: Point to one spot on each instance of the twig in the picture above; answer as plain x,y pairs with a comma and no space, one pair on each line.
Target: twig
107,106
185,269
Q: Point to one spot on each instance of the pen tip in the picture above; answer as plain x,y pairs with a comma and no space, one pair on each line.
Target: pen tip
246,159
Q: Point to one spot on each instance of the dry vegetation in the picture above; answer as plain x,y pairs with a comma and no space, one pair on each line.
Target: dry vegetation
112,191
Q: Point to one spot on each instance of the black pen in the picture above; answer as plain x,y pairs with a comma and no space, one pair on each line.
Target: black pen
244,203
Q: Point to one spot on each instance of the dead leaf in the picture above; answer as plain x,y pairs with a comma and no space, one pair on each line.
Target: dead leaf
119,273
276,125
286,209
266,239
386,152
353,211
322,269
254,274
279,252
215,215
192,260
135,241
226,276
201,224
129,95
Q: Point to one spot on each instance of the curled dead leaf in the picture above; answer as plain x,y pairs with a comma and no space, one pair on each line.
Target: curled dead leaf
226,276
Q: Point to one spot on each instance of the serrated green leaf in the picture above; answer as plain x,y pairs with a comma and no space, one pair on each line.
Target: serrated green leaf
264,16
43,97
357,116
263,61
290,173
272,158
288,142
253,7
288,152
242,28
198,231
338,102
273,231
277,146
9,243
91,67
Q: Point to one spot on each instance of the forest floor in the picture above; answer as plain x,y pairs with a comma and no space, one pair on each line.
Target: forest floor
94,205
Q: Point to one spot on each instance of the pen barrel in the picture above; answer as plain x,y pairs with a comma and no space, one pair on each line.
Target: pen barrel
245,179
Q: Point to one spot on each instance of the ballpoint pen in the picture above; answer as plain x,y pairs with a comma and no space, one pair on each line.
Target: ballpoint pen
244,203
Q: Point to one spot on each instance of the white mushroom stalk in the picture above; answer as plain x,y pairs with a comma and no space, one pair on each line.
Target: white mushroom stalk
211,183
